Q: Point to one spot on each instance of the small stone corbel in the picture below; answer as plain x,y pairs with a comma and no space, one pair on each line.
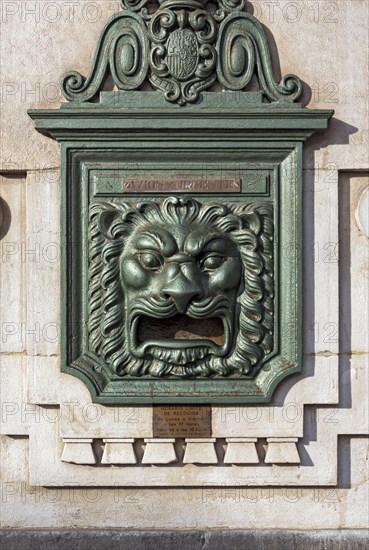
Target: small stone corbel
241,450
282,450
119,451
200,451
159,451
78,451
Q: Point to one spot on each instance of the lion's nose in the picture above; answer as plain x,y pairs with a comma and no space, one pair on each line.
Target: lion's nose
182,290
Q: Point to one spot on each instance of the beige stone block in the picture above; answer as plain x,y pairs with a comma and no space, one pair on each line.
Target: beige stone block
12,241
354,505
82,418
159,451
352,417
241,451
25,506
285,420
320,263
44,381
79,417
35,506
284,417
16,413
13,452
78,451
42,263
318,383
13,480
259,507
282,451
119,451
200,451
46,385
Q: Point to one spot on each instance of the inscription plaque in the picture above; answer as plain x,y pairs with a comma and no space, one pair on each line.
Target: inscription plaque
182,185
182,421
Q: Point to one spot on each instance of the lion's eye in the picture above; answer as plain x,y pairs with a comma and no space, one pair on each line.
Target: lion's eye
150,260
211,262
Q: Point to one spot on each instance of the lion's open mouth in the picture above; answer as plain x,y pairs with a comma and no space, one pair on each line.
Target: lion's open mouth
180,335
181,327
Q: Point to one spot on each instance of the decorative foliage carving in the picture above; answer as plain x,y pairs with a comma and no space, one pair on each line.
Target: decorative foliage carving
182,49
181,288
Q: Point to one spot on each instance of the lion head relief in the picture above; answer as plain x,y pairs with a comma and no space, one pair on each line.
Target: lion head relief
181,288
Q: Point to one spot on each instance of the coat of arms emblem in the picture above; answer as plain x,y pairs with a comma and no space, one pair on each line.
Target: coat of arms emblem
182,56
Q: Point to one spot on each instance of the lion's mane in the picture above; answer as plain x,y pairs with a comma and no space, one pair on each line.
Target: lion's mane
250,227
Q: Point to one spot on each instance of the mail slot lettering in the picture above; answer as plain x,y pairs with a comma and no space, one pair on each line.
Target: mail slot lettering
182,185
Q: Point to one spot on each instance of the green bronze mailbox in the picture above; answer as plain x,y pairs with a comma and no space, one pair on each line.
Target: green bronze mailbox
181,209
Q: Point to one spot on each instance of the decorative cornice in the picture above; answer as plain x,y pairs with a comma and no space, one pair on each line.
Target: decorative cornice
103,123
182,49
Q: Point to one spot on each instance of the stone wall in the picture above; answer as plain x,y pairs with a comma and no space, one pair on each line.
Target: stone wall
322,413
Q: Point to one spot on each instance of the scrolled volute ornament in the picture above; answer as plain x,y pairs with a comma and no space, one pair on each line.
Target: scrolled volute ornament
134,5
243,50
124,48
231,5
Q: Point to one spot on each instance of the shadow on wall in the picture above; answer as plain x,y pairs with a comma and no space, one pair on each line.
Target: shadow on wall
273,49
338,133
5,218
345,305
343,331
5,212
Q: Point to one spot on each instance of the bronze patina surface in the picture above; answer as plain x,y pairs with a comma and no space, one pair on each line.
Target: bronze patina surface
203,269
166,298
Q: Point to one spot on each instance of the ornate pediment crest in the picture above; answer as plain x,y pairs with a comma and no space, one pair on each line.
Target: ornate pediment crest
182,47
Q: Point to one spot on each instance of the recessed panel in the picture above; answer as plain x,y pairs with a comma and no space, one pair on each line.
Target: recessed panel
185,296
